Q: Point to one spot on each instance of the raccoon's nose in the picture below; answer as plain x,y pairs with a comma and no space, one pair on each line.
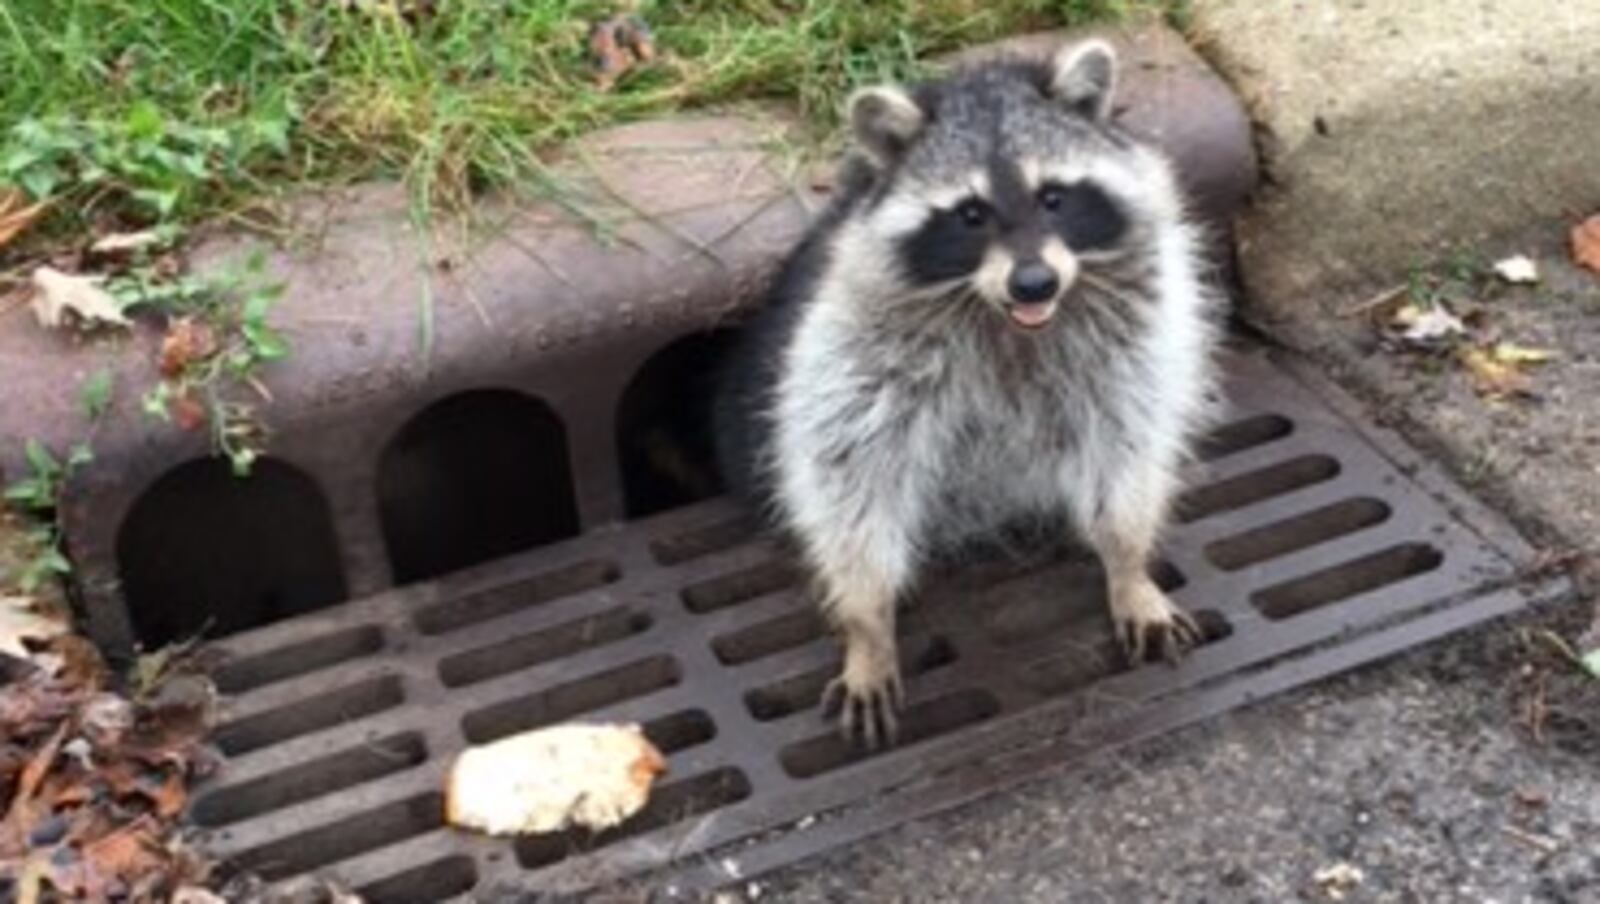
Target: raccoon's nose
1033,282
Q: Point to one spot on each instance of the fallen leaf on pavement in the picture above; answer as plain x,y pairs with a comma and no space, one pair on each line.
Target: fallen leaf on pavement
187,342
1338,880
1518,270
1493,378
1427,326
188,413
22,624
16,214
1586,243
55,294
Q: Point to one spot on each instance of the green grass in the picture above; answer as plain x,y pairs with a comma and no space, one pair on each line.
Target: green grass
138,112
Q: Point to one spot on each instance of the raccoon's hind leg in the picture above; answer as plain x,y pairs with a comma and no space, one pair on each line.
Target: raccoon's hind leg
1123,532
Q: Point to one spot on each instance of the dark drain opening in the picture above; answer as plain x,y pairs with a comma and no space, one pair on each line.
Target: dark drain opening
292,660
672,803
804,691
472,478
434,881
1238,436
1036,605
703,541
310,779
471,666
1343,581
771,636
203,551
741,586
537,590
920,722
1248,489
571,699
322,711
1297,533
680,731
664,427
346,838
1095,654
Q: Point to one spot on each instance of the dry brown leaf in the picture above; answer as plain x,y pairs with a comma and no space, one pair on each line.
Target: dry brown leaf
16,214
1494,378
619,44
55,294
1586,243
21,624
187,412
188,341
79,662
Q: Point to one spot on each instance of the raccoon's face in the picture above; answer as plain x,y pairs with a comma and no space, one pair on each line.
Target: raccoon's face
1008,183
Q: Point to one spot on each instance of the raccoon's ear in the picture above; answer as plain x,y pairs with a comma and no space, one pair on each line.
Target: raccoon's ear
885,120
1083,77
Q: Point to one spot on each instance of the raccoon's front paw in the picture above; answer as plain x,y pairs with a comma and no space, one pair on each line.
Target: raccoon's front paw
866,699
1147,622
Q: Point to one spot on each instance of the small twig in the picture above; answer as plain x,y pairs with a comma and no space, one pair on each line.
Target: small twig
1376,301
1543,843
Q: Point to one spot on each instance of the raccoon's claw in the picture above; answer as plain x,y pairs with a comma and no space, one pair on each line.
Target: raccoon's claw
867,714
1160,628
1170,640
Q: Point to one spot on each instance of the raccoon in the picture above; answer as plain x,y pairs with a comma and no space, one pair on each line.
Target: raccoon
1000,315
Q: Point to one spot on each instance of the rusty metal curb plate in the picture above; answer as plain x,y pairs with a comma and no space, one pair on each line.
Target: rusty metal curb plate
1310,543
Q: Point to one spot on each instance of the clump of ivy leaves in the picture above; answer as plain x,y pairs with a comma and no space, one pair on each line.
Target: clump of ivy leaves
118,191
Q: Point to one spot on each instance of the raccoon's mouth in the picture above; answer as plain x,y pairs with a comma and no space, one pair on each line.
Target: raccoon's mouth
1031,316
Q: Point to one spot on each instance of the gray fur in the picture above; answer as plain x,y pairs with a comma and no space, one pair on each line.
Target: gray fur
898,410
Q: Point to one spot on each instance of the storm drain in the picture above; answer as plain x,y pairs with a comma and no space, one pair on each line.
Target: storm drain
1310,543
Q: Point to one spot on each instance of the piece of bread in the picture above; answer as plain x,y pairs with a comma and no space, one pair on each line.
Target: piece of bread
545,780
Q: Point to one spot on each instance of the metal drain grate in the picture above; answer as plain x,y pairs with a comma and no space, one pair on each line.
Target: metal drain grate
1310,544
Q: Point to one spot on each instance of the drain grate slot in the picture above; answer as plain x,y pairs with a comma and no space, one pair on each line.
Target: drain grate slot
1231,439
699,542
680,731
564,701
1070,597
1256,486
434,881
775,635
1299,532
672,803
341,840
293,660
483,663
741,586
1007,653
921,721
801,692
310,780
491,604
292,720
1349,579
